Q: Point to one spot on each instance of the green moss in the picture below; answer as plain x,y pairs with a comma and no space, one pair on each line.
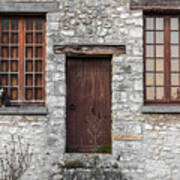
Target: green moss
74,165
106,148
115,165
127,69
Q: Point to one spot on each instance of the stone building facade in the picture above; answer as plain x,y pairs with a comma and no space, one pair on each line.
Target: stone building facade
145,141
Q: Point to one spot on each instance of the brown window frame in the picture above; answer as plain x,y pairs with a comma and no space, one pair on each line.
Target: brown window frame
167,59
38,62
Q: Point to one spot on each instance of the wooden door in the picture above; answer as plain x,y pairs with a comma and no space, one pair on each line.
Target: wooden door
88,125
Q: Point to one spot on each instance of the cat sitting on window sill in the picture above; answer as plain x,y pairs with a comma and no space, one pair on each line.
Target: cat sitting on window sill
4,98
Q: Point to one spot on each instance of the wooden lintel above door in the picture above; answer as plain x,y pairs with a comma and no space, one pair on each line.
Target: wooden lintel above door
90,49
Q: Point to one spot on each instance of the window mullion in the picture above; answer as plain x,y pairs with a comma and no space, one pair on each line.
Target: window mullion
21,59
44,57
167,58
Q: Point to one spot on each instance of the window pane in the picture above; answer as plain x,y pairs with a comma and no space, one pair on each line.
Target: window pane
159,65
174,24
38,66
159,37
29,80
38,80
4,80
5,52
14,93
174,79
5,24
159,23
29,38
149,79
29,66
174,65
149,65
39,24
38,52
174,37
175,93
14,38
159,79
39,38
149,23
29,93
14,80
5,38
174,51
29,52
159,51
38,93
150,93
149,37
4,65
149,51
159,93
14,66
29,24
14,52
14,24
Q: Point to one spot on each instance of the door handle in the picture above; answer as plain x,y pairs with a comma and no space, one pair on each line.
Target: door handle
72,107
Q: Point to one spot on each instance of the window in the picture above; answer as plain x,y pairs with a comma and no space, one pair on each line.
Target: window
22,59
162,59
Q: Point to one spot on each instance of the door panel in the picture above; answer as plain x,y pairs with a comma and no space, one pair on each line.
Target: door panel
88,125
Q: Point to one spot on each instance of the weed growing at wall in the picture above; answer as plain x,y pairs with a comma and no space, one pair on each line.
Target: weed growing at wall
16,160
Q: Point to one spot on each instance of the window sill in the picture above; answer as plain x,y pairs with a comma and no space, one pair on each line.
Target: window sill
160,109
23,110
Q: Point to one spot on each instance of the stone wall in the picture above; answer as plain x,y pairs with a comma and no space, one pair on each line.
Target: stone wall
145,146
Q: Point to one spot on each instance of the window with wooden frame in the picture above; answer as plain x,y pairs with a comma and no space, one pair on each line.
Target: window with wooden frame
162,59
22,58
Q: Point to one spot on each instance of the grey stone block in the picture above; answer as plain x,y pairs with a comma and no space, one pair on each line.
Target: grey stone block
23,111
38,7
161,109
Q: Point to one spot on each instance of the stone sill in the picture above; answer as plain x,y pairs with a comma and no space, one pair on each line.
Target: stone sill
155,4
36,7
160,109
23,110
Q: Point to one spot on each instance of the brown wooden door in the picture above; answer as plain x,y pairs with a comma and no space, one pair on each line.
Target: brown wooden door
88,127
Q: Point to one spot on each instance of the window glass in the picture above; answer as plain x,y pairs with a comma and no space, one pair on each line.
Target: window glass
174,23
174,37
159,23
149,51
150,37
22,62
159,37
150,93
162,59
149,23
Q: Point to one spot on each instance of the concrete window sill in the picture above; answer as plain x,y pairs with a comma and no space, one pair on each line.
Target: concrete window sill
160,109
23,111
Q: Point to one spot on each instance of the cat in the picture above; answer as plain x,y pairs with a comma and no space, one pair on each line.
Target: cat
4,98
